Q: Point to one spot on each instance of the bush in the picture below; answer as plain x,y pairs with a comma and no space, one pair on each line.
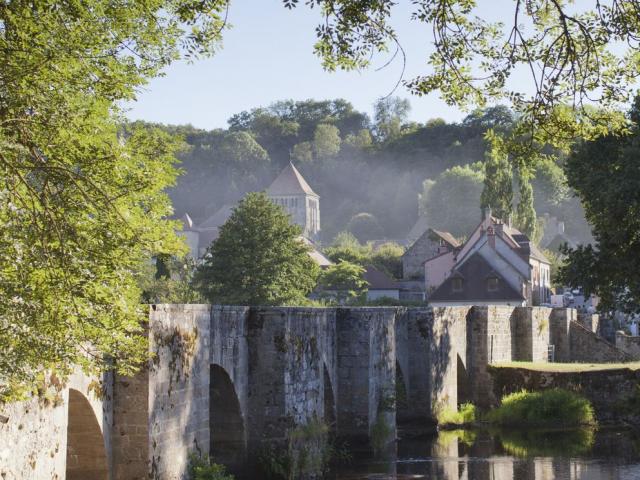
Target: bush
202,468
465,414
548,408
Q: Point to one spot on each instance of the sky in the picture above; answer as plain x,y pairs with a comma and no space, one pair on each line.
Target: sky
268,56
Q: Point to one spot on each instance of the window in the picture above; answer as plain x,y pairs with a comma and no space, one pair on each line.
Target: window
456,284
492,284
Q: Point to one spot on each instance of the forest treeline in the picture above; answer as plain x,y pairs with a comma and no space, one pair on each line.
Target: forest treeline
375,176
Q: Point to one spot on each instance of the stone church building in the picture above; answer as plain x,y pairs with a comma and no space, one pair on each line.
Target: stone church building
289,190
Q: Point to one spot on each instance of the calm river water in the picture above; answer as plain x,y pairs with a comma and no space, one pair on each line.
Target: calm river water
506,455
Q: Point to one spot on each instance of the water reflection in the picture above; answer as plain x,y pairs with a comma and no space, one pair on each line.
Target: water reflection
507,455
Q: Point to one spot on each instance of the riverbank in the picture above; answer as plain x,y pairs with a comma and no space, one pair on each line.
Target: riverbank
612,389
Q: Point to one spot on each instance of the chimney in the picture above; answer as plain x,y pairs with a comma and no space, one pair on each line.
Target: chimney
486,217
491,235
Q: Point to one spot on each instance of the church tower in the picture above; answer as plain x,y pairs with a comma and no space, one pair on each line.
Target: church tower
293,193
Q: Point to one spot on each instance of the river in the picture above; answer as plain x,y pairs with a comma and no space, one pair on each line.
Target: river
583,454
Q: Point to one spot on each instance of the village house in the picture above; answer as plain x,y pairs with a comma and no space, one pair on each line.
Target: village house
380,285
497,265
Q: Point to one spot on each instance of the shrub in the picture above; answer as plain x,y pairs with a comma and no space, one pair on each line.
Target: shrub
465,414
552,408
202,468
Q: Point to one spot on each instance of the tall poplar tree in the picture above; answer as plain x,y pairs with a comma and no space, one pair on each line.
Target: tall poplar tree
526,218
498,180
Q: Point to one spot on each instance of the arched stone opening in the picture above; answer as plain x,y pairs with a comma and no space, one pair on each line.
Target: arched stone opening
226,426
329,403
86,454
403,415
464,390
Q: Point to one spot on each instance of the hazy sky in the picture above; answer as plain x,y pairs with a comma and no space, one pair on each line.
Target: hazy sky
268,56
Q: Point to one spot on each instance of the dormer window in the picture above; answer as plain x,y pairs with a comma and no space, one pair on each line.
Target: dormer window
456,284
492,284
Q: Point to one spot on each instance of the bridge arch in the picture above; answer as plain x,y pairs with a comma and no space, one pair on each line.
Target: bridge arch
86,453
463,382
226,423
403,414
330,413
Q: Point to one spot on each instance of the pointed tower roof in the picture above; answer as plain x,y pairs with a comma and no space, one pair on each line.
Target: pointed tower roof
290,182
187,223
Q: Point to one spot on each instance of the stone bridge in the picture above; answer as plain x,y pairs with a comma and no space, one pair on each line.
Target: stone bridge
256,385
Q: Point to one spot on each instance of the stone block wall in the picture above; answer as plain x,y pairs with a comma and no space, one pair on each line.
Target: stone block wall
559,321
366,363
33,433
616,404
589,321
587,347
447,341
531,334
490,337
418,323
178,389
628,344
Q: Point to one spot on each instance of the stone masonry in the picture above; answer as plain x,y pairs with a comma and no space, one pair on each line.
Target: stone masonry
236,382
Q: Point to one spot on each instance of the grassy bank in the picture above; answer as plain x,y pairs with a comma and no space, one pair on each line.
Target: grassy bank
547,408
553,408
568,367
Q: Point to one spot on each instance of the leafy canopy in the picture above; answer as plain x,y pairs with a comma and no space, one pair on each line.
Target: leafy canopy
81,201
566,53
258,259
605,173
343,281
452,201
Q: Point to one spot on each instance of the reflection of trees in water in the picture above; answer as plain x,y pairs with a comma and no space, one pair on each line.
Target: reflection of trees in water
547,443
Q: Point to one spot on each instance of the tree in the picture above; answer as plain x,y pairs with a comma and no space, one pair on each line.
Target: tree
574,54
347,248
326,141
388,258
498,181
82,204
247,159
169,281
258,259
605,173
343,281
389,115
302,152
364,226
360,140
526,218
451,203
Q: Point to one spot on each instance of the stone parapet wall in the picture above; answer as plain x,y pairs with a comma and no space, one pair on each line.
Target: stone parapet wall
589,321
628,344
587,347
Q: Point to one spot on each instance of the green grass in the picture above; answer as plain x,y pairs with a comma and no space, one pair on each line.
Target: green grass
548,408
547,443
465,414
567,367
